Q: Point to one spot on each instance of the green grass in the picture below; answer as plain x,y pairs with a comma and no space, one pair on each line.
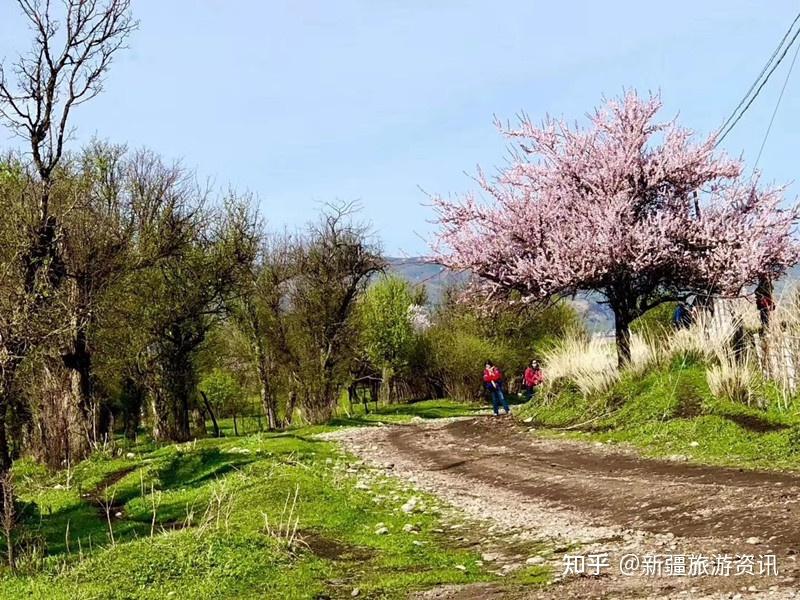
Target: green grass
225,551
670,411
355,416
404,413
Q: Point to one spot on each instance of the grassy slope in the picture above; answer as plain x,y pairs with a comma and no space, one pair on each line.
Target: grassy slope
231,557
670,411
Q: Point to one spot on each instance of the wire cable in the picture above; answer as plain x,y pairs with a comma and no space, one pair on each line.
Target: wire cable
730,127
777,104
761,74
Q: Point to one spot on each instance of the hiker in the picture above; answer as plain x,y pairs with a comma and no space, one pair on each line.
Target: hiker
493,380
533,376
682,317
764,301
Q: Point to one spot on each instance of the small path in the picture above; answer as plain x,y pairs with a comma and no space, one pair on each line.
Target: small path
103,498
584,498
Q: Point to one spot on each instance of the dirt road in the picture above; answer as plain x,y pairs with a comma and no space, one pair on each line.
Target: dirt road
586,499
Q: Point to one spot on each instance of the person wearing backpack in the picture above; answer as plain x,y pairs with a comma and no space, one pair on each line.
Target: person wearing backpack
533,376
493,380
682,317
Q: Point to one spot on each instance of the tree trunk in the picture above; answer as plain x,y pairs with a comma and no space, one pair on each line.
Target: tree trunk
211,414
5,453
6,491
79,363
184,430
373,392
180,380
198,419
622,332
290,408
160,414
268,404
267,393
764,302
386,380
133,397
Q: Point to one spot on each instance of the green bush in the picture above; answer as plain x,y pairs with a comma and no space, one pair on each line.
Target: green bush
224,392
461,340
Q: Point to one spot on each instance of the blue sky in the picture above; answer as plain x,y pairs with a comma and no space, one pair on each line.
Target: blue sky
307,102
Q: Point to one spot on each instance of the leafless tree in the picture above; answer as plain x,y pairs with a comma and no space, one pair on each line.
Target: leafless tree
65,68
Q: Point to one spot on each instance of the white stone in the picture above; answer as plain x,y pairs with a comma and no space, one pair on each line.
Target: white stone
753,540
410,505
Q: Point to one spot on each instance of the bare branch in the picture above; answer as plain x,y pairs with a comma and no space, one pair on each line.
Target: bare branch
65,68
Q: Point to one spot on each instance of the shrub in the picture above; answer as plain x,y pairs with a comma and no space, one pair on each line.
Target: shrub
224,392
462,338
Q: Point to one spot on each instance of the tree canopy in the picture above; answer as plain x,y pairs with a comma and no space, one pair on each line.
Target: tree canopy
629,206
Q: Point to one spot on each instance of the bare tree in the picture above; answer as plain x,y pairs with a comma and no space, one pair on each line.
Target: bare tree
65,68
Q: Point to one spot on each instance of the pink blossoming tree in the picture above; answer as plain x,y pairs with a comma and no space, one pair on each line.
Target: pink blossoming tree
629,207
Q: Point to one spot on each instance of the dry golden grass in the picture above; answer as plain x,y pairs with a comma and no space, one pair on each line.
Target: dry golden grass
739,358
590,363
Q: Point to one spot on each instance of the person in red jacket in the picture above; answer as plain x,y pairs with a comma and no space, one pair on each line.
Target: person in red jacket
533,376
493,380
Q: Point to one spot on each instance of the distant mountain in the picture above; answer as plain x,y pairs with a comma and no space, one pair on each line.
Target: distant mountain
417,271
436,279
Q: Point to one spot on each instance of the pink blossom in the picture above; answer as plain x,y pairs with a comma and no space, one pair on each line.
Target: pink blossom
628,206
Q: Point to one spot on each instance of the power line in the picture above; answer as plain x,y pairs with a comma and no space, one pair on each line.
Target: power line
731,124
761,74
777,104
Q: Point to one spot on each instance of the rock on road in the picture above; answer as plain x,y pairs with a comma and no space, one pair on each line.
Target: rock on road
594,498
